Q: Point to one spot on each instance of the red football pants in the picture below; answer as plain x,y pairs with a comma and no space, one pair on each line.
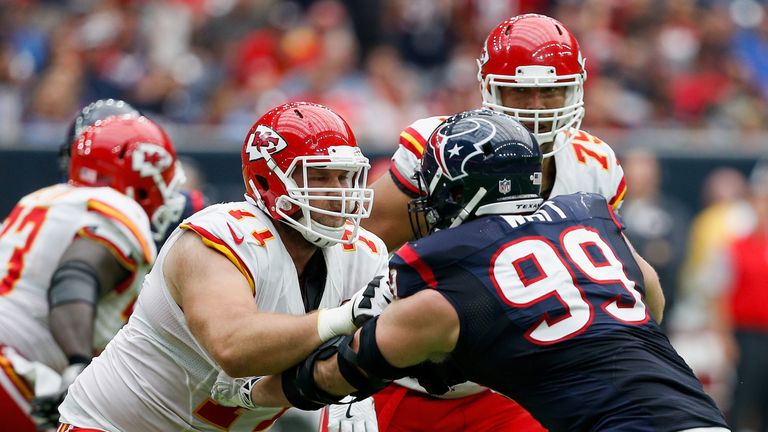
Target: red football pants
400,409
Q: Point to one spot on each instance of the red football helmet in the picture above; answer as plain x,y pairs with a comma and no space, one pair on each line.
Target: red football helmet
298,136
534,51
134,156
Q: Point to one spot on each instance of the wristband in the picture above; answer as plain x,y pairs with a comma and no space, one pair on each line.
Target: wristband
77,358
335,322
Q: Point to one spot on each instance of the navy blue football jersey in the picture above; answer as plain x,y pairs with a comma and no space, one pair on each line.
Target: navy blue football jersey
552,313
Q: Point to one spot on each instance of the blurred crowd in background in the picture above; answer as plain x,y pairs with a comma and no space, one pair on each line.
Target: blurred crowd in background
219,64
214,66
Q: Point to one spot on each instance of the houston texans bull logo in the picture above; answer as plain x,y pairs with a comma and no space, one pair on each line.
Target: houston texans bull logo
264,141
150,159
453,157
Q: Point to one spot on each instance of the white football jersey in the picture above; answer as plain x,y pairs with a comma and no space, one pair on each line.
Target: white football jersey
156,376
586,165
32,240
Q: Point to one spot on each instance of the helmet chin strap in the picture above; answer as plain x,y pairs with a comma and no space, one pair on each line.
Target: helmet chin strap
317,240
567,140
467,210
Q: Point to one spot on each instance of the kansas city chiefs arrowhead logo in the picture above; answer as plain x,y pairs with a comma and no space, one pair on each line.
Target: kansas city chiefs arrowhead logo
150,159
264,139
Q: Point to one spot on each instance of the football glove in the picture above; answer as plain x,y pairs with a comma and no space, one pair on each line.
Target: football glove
234,392
355,417
364,305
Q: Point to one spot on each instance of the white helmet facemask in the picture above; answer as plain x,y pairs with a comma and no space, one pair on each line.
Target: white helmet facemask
173,202
172,208
559,119
354,200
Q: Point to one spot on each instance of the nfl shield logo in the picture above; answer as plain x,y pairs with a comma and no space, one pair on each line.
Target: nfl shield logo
505,186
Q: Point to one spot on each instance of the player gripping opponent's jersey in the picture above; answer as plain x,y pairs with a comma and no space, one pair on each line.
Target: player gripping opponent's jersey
546,303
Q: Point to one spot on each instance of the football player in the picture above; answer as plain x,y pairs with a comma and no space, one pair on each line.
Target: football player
532,69
207,307
99,110
87,116
74,256
546,303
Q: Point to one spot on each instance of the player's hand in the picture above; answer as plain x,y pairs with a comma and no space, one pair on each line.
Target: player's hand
438,378
233,392
364,305
355,417
371,300
45,407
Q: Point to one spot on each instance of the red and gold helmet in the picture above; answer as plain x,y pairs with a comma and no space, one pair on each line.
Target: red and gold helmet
534,51
134,156
298,136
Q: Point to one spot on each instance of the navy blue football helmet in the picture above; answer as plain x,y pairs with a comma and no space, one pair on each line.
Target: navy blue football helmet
90,114
477,163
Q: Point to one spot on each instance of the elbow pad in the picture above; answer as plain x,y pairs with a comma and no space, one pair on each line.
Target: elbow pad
436,378
74,282
369,357
299,384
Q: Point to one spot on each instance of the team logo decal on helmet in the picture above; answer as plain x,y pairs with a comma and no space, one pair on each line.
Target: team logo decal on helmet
482,132
477,163
264,139
150,159
280,152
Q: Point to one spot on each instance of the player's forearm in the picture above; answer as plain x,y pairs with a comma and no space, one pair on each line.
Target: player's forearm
654,294
268,392
262,343
72,328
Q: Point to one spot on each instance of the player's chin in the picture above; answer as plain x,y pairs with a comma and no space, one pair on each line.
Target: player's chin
543,127
330,221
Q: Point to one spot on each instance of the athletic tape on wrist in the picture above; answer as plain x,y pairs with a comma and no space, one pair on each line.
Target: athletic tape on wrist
335,322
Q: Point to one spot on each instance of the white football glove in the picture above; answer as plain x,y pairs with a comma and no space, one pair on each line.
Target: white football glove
364,305
234,392
355,417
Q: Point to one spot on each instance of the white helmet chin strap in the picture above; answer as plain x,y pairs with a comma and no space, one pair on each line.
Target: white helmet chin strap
348,204
565,137
561,119
319,235
173,202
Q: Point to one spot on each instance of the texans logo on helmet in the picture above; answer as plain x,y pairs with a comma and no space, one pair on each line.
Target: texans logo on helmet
150,159
453,154
264,139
